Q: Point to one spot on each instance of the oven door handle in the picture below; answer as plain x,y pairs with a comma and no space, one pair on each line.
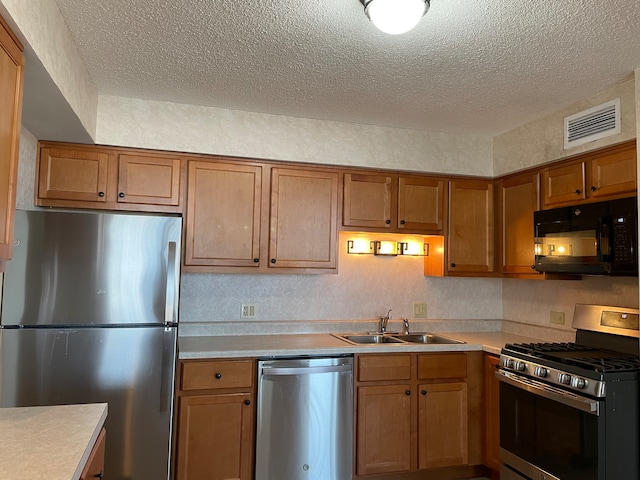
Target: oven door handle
581,403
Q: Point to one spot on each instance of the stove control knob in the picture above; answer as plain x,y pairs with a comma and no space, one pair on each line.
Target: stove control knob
509,363
577,382
540,372
520,366
564,378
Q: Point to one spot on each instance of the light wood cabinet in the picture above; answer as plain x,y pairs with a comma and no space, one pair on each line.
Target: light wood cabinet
223,214
492,412
251,216
412,412
11,84
595,176
393,203
517,197
304,218
99,177
470,228
94,468
215,419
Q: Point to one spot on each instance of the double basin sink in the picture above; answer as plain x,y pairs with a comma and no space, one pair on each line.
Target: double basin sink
369,338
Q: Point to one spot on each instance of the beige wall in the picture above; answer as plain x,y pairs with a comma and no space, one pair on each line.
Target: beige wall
171,126
542,140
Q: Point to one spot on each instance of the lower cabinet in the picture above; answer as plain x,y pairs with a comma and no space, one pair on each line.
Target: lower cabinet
412,412
94,468
492,413
215,420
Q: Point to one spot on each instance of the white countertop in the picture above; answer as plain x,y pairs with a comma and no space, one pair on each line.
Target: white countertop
229,346
48,443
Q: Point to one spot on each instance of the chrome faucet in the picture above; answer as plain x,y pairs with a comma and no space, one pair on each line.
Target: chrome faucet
406,325
384,321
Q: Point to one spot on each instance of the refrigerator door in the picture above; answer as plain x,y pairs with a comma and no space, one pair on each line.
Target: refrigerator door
86,268
129,368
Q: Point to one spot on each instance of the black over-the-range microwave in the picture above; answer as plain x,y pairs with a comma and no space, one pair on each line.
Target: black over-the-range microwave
590,239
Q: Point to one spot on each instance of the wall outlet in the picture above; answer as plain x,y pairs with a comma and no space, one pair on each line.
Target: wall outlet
419,310
557,318
248,310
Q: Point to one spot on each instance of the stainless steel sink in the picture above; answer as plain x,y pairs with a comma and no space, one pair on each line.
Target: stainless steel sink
426,338
369,338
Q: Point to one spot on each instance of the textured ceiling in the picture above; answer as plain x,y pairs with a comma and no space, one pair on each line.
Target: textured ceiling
471,66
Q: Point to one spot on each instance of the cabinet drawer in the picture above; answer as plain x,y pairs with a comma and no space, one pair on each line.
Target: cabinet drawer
384,367
217,374
433,366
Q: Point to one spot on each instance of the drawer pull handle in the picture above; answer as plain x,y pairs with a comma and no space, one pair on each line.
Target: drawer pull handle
99,475
408,392
388,222
218,376
247,402
121,195
256,260
101,194
578,191
424,392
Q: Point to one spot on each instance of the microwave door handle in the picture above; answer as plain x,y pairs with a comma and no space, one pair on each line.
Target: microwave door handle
581,403
604,239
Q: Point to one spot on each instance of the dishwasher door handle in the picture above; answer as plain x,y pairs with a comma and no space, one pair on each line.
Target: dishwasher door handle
281,371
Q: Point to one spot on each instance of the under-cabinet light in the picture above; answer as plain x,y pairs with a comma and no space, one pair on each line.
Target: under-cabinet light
385,247
360,246
414,249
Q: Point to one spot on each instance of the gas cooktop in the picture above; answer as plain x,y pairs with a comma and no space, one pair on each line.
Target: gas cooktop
581,356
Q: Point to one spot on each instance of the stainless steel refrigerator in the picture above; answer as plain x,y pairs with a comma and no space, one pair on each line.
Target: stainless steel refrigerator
89,314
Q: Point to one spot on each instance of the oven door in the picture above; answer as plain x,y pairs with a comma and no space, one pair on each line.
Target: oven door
547,433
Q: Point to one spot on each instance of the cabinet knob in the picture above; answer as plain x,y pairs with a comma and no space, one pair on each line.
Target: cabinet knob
408,392
247,402
401,222
273,260
423,392
121,195
593,188
578,191
99,475
101,194
453,265
388,222
218,376
533,267
256,260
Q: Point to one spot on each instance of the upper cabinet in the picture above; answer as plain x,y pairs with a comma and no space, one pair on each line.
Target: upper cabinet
393,203
96,177
11,80
517,197
470,228
260,218
595,176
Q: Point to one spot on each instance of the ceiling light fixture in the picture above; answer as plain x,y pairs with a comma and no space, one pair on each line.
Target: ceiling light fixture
395,16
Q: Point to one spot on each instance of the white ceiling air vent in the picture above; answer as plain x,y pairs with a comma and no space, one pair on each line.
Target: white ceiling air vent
597,122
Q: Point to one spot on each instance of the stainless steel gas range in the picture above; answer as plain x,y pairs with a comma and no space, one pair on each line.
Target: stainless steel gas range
569,411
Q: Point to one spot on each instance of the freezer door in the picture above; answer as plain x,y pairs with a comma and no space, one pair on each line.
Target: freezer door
132,369
87,268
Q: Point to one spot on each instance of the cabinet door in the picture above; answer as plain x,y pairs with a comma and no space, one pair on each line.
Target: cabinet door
11,77
492,412
518,198
613,174
368,201
303,223
215,437
149,180
563,185
470,239
73,175
383,431
94,467
223,214
442,425
420,203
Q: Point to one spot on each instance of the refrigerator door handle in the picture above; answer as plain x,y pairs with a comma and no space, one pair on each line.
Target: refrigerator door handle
171,305
167,375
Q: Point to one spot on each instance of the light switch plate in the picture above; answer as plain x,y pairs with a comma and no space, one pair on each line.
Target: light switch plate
248,310
557,318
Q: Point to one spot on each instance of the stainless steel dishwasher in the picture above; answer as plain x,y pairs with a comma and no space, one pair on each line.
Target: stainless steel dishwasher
305,419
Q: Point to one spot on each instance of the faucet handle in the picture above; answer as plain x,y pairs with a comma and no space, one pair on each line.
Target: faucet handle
406,325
